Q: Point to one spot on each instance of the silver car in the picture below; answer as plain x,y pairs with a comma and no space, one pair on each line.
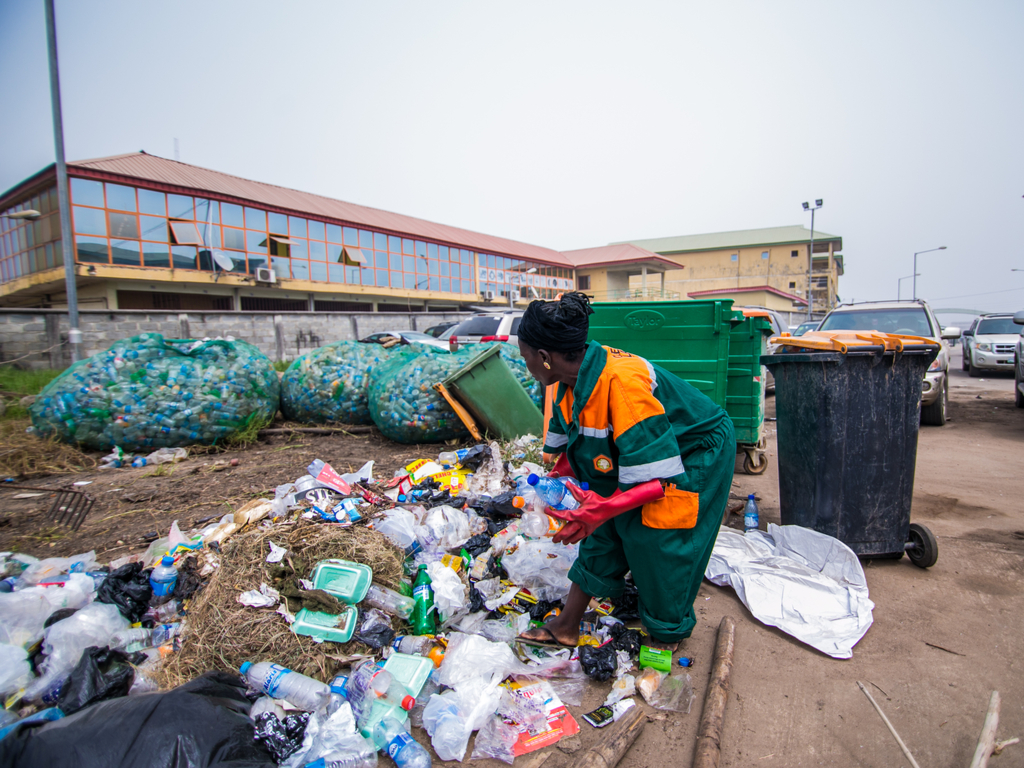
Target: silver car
989,344
408,337
911,318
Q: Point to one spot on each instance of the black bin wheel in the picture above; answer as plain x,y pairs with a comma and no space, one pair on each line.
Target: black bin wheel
925,549
752,468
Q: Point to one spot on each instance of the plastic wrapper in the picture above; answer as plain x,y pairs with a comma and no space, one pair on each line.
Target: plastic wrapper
527,711
202,723
280,737
15,670
331,383
806,583
496,739
129,589
446,724
53,567
471,657
628,640
399,526
148,392
375,629
673,693
542,567
569,689
598,663
25,612
449,592
622,688
444,528
403,402
100,674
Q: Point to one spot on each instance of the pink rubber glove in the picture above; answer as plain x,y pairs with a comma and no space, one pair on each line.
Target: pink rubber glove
595,509
562,468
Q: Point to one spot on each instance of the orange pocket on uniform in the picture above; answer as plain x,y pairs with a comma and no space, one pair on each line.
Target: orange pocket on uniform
678,509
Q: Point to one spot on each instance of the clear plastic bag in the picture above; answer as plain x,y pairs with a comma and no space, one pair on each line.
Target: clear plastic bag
669,692
446,725
399,526
496,739
15,670
542,567
24,612
449,591
444,528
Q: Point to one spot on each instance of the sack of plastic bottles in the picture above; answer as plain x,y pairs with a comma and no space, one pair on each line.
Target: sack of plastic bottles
403,402
148,392
510,354
330,383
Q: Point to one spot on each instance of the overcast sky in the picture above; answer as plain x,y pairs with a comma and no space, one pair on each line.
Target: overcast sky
573,124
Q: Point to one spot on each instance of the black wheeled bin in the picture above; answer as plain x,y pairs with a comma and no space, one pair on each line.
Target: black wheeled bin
848,410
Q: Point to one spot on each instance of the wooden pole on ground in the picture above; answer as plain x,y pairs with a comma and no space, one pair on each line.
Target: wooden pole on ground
609,751
878,709
988,733
709,736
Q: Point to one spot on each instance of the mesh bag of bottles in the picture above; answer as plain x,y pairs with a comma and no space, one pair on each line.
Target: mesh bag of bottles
330,383
148,392
403,403
510,354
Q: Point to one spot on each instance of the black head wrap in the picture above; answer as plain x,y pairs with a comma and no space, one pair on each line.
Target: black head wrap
557,326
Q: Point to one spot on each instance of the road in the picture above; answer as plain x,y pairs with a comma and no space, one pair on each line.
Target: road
792,706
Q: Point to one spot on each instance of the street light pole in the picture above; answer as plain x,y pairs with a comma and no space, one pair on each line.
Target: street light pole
940,248
810,258
70,286
899,286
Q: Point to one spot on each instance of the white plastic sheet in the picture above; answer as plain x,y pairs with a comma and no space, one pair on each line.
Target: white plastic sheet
807,584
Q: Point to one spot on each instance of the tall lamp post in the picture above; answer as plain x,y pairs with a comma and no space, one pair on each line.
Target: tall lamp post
899,286
930,250
810,258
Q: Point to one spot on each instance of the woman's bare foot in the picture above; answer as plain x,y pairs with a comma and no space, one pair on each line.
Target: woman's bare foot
557,630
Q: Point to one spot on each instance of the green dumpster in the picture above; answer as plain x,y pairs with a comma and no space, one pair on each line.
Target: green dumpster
494,397
744,399
688,338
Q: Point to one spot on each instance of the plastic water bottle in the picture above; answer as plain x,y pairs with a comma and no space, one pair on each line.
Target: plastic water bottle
281,683
536,524
370,683
339,693
391,738
553,491
139,637
750,516
412,644
365,757
163,579
390,601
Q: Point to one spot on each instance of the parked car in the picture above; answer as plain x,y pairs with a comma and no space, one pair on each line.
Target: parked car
989,344
779,326
913,318
810,325
437,330
1018,363
487,326
407,337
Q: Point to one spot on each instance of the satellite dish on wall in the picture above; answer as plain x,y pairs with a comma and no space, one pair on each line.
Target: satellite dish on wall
223,260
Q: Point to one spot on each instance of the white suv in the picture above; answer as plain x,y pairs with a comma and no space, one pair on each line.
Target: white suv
487,326
913,318
989,344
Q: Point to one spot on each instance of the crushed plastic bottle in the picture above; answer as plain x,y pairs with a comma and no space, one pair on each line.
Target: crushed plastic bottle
370,683
554,492
396,742
537,524
281,683
390,601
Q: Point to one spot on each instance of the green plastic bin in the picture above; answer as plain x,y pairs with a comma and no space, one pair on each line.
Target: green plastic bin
494,397
745,384
688,338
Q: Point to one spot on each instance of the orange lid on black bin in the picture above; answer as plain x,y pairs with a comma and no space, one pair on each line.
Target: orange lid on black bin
843,341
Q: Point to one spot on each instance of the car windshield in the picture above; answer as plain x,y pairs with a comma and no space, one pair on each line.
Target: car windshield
417,336
1004,325
477,326
911,321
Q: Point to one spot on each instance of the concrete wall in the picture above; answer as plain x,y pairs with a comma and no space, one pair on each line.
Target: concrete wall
37,338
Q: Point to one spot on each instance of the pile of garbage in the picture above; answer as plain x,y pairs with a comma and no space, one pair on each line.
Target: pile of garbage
149,392
354,608
330,383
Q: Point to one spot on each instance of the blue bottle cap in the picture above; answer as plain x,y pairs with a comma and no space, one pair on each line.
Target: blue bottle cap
750,496
585,486
533,479
167,560
245,667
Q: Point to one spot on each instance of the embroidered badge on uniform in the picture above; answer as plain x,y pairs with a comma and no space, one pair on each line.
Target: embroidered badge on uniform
603,464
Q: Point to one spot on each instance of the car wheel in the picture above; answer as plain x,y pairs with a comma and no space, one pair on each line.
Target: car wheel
1018,396
972,371
935,414
965,362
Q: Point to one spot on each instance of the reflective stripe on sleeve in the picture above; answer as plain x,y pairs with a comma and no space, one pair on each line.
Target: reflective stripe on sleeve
655,470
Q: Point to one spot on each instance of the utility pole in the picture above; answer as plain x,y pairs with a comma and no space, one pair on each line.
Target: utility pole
810,259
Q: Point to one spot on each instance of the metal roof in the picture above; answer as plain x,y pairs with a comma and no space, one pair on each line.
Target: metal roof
740,238
617,254
139,165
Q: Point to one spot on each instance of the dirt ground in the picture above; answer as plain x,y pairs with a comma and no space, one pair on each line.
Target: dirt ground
789,705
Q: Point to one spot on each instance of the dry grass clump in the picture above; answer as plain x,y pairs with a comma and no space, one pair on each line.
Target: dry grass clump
24,455
222,633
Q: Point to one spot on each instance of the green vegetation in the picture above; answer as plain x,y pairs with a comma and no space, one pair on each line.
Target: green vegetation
15,384
281,365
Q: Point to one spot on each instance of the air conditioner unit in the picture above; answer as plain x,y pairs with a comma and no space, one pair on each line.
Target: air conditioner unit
265,275
515,296
488,295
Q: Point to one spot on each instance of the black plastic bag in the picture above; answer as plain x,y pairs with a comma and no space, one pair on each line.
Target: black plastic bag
478,544
189,581
375,632
627,605
628,640
281,737
128,588
598,663
475,456
540,609
501,506
100,674
202,724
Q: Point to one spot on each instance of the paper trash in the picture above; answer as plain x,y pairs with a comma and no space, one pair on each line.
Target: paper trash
807,584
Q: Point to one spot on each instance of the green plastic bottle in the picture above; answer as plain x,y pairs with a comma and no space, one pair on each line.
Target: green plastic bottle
423,619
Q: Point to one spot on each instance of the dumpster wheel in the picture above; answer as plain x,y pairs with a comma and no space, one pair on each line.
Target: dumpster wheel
922,546
755,460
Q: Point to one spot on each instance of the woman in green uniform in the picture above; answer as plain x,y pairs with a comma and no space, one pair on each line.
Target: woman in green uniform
658,456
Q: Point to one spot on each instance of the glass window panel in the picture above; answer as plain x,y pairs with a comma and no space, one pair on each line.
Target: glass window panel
421,266
396,262
234,239
366,276
317,250
394,244
382,279
282,267
92,249
296,226
255,242
444,268
29,234
49,255
409,282
89,221
380,260
86,192
156,255
300,269
255,219
467,272
432,250
433,267
409,263
151,201
445,284
205,260
185,233
466,257
333,252
207,211
491,261
318,271
121,198
336,273
316,230
443,252
334,233
421,248
232,215
408,246
124,225
299,249
278,222
435,283
183,256
365,239
256,260
351,236
180,207
352,275
125,252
